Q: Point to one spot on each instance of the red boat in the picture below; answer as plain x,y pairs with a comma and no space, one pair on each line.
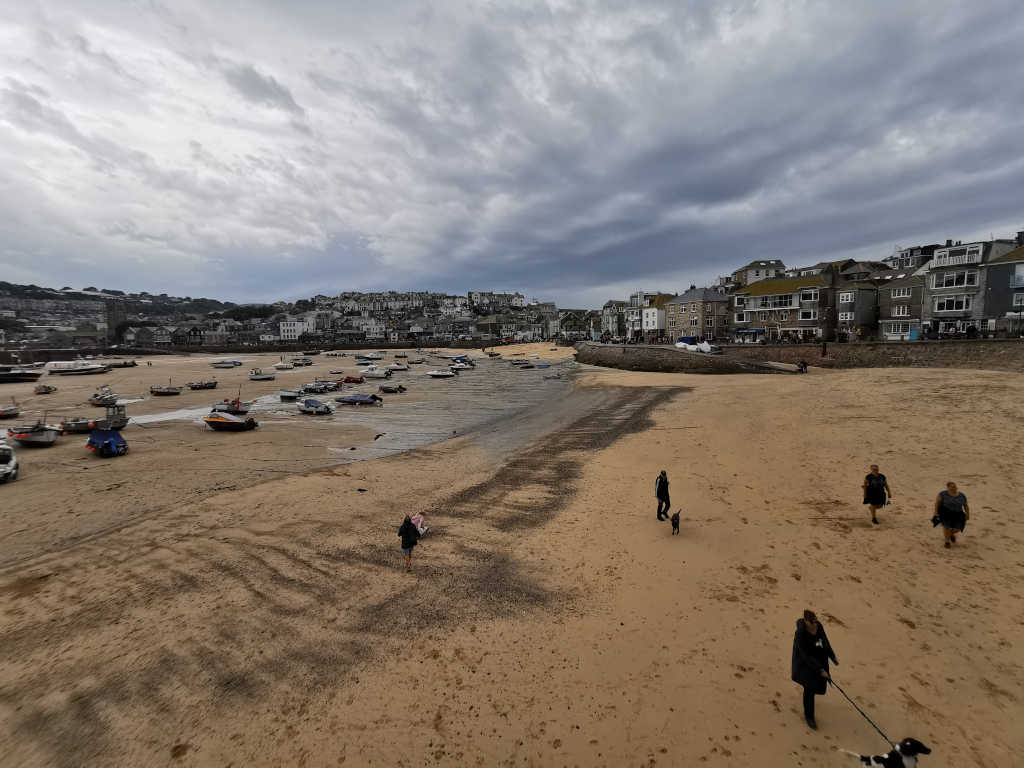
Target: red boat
354,380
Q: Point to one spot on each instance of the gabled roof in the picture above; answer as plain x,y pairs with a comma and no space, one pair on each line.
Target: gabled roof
786,285
758,263
699,294
1012,257
659,301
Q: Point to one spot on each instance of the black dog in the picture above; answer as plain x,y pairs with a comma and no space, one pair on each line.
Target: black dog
903,756
675,524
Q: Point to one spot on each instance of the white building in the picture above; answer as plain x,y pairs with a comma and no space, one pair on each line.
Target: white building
652,321
290,330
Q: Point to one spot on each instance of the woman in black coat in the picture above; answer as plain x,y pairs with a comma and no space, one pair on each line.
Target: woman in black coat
811,652
410,535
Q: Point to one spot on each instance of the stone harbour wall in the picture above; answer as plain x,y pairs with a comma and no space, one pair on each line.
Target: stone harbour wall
664,359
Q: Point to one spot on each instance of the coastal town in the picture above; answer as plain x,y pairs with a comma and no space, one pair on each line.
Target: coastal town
935,291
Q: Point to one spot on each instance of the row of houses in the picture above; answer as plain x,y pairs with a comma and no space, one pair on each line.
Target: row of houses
927,291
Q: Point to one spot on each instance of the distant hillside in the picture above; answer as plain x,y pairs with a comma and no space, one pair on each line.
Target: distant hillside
135,303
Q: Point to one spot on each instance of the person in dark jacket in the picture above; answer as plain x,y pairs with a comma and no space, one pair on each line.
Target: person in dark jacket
876,492
409,535
661,494
811,652
952,511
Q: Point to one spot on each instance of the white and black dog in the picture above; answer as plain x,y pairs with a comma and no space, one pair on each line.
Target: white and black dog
903,756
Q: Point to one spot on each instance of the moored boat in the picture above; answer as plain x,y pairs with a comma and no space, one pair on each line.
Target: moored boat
373,372
416,361
37,435
258,374
165,391
9,411
106,443
115,419
314,407
284,366
288,395
77,368
202,384
8,462
44,389
235,406
13,373
353,380
299,361
227,422
360,400
389,389
76,425
103,397
439,374
222,364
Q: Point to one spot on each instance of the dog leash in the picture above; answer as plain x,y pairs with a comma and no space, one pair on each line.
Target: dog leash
863,714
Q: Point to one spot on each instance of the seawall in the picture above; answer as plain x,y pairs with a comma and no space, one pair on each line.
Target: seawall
977,354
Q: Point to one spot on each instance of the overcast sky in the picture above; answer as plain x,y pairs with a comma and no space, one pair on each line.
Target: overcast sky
574,151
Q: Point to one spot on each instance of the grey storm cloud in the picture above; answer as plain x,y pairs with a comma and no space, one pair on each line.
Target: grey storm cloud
570,150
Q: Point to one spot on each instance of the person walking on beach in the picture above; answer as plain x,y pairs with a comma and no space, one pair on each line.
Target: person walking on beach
811,652
952,511
876,492
661,494
409,535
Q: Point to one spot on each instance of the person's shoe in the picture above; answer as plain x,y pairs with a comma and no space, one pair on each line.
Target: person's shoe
811,724
875,521
948,545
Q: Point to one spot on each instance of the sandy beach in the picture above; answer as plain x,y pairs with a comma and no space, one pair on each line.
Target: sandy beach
251,618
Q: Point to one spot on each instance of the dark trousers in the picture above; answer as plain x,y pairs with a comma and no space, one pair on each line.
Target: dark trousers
665,510
808,703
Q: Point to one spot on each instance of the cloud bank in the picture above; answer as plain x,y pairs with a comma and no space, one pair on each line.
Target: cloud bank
571,150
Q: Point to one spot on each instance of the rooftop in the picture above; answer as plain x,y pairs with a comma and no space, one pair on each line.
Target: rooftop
1011,257
787,285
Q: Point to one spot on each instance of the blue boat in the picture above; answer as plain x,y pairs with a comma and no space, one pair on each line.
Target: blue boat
315,407
360,400
106,443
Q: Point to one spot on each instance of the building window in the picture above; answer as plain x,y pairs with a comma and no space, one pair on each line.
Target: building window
955,279
762,316
811,295
846,297
1018,299
694,322
845,317
901,310
740,301
710,321
783,315
739,318
900,293
953,304
903,328
693,307
808,314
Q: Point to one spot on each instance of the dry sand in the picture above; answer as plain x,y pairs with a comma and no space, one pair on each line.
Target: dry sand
550,620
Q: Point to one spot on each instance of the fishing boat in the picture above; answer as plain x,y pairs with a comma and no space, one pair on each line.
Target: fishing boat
106,443
439,374
115,419
336,371
288,395
12,373
314,407
299,361
373,372
44,389
226,422
389,389
360,400
284,366
103,397
9,411
416,361
77,368
222,364
36,435
257,374
76,425
353,380
398,367
203,384
370,356
165,391
236,407
314,388
459,366
8,462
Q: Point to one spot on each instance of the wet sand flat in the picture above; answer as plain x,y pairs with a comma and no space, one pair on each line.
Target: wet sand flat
549,618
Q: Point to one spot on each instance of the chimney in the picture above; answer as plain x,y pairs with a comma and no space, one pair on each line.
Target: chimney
694,287
949,243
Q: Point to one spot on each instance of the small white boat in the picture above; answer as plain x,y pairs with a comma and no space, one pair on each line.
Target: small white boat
77,368
417,361
8,462
258,374
439,374
37,435
222,364
398,367
283,366
370,356
459,366
373,372
288,395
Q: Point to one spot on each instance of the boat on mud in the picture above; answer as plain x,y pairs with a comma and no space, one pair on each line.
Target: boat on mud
14,373
106,443
77,368
44,389
300,361
314,407
202,384
353,380
400,354
284,366
416,361
258,374
374,372
360,400
164,391
440,374
227,422
458,365
288,395
103,397
9,411
8,462
397,367
115,419
390,389
76,425
236,406
36,435
223,364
